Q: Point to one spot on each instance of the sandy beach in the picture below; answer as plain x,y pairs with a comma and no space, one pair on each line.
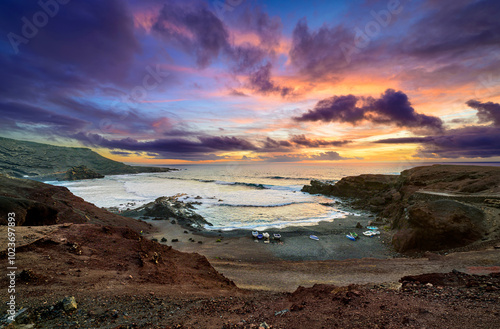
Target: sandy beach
295,244
300,261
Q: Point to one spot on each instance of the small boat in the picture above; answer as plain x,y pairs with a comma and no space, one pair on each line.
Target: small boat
369,233
277,236
373,228
354,235
350,237
266,241
314,237
255,233
265,235
376,232
260,236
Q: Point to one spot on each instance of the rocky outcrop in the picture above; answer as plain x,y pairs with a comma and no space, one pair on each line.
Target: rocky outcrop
81,172
35,203
168,208
414,204
437,225
47,162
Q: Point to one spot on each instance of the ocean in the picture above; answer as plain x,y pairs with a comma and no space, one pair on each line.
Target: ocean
234,196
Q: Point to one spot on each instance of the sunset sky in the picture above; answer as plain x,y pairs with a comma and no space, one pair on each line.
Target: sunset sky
240,80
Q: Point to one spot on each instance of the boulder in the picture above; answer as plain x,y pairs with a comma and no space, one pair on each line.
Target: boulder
170,207
437,225
81,172
69,304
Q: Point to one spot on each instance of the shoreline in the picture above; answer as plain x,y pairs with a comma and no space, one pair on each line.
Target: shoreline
294,245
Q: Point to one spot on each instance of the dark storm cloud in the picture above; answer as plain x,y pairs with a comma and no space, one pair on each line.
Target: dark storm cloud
486,112
393,107
304,141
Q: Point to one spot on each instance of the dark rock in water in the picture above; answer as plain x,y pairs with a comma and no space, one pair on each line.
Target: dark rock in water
81,172
439,225
163,239
167,207
358,225
175,240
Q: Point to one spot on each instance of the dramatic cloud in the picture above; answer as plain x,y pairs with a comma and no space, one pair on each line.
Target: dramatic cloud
176,148
15,115
466,142
393,107
267,28
100,43
463,29
318,53
304,141
326,156
486,112
194,28
469,142
272,145
260,81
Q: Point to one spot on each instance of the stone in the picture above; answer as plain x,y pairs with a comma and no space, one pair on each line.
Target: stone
69,304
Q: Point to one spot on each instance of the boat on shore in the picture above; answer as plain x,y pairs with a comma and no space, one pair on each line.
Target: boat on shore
313,237
277,236
255,233
350,237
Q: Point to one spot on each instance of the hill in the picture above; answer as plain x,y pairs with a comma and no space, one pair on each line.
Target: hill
47,162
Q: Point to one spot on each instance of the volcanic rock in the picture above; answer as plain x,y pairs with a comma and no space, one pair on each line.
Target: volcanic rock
81,172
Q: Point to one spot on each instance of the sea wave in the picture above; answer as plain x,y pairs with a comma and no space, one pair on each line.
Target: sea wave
254,185
287,178
262,206
275,224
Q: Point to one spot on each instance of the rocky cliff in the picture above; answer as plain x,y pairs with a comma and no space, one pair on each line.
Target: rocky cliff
47,162
429,208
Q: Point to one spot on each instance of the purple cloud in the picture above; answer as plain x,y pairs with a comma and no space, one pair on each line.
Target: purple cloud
194,28
304,141
393,107
326,156
468,142
486,112
15,114
175,148
318,53
261,82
